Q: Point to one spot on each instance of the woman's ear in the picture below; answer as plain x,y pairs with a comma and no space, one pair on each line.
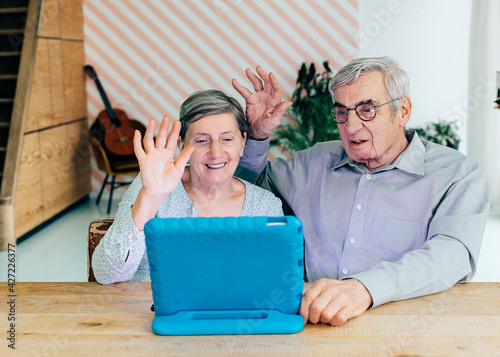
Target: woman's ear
243,143
180,144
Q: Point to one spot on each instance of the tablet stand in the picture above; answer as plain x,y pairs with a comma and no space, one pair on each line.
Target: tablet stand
235,322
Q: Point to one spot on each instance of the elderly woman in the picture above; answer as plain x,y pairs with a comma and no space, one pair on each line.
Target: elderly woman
211,134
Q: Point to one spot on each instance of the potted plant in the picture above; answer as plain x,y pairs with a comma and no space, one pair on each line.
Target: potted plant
308,120
440,132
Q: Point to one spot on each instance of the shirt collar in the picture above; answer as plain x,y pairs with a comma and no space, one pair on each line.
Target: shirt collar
410,160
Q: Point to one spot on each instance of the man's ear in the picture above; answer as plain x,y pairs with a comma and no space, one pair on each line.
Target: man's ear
405,110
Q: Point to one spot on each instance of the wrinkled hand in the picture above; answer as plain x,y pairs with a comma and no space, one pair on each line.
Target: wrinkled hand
160,171
334,302
264,107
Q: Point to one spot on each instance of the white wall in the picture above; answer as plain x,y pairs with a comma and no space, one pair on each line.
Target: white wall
430,39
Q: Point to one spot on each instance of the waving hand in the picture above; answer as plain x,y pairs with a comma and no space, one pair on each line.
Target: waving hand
264,107
160,171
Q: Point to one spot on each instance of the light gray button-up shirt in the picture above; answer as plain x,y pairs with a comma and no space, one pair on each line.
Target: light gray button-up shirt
404,230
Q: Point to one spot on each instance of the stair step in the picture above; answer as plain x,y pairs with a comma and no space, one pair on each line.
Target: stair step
8,10
4,124
8,76
6,100
10,53
11,31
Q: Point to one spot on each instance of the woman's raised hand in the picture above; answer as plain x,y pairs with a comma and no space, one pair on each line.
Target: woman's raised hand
264,107
160,171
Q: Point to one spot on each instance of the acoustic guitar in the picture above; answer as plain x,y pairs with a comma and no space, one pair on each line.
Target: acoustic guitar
112,125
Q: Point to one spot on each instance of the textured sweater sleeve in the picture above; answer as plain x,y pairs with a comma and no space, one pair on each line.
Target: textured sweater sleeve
118,256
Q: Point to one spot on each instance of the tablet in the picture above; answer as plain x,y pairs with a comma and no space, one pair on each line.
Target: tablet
230,275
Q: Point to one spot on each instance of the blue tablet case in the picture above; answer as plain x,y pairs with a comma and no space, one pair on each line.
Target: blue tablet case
231,275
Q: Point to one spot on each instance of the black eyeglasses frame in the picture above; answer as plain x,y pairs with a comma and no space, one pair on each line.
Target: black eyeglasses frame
333,113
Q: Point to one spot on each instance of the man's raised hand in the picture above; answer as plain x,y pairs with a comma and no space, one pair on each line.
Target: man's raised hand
264,108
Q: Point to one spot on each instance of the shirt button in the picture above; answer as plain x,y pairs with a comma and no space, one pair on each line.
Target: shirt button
368,176
358,207
344,271
352,240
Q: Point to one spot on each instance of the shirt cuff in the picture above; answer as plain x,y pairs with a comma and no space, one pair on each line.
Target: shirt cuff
379,285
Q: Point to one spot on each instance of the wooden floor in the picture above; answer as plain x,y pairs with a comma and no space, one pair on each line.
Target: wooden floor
59,251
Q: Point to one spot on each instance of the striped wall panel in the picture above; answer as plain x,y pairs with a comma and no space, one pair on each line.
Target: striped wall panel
150,55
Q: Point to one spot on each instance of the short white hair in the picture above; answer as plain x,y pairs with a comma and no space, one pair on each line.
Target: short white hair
397,82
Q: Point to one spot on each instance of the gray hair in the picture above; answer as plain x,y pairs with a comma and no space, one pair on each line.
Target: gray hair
210,102
397,82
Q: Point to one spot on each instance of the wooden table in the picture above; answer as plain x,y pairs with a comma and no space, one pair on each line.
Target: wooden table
88,319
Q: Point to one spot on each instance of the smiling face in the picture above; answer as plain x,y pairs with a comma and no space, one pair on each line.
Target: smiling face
218,147
380,141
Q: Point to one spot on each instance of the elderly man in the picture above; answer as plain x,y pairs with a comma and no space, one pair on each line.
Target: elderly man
386,216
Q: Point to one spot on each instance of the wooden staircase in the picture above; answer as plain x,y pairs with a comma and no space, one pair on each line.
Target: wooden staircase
44,149
13,20
13,15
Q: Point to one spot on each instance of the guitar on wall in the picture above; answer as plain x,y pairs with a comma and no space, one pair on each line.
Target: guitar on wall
112,125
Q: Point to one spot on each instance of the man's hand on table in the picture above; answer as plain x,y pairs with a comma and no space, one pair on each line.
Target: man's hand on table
333,302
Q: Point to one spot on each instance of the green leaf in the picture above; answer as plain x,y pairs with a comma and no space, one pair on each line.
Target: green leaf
440,132
309,115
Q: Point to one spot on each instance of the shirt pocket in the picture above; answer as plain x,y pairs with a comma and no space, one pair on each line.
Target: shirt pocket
391,238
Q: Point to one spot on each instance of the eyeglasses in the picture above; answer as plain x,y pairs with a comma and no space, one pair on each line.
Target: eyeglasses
206,142
364,111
